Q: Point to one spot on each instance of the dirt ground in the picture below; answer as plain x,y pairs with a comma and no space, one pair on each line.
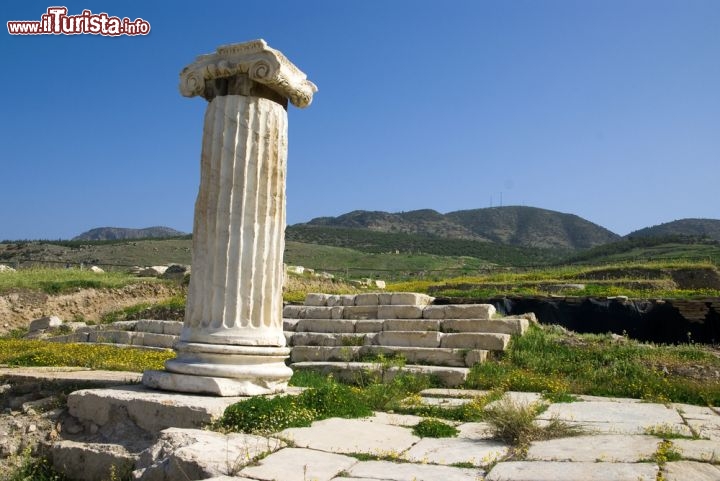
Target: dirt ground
20,307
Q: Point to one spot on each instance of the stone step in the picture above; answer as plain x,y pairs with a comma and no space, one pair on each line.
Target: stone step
369,299
393,311
413,355
359,371
429,339
131,338
505,325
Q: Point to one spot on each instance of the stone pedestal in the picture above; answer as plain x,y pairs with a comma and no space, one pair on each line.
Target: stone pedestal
232,341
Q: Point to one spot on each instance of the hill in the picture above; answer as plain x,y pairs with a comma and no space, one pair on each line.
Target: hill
709,228
644,249
513,225
121,233
370,241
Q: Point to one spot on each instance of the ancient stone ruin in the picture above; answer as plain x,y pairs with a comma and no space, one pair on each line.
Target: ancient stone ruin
232,341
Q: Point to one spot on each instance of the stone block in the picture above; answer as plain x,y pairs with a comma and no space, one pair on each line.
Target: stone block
411,325
609,448
475,356
432,356
688,470
325,325
290,324
515,326
473,340
469,311
352,371
368,325
370,299
360,312
297,464
400,312
324,353
409,338
292,311
326,339
150,325
173,328
348,300
312,312
351,436
562,471
90,462
334,300
386,470
434,312
457,450
316,299
77,336
155,340
123,325
111,337
411,299
384,298
199,454
150,410
45,323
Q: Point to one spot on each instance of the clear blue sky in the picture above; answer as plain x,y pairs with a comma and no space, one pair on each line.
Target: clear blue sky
608,109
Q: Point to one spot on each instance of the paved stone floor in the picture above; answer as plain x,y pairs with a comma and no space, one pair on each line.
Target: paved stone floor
616,446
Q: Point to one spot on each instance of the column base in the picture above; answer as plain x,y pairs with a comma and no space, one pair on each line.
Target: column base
223,370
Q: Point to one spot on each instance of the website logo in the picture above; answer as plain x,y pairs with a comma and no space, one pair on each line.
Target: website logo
56,21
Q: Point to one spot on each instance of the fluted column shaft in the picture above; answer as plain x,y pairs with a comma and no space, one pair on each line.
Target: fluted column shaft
235,294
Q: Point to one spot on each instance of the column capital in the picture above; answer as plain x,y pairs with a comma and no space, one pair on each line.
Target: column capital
255,59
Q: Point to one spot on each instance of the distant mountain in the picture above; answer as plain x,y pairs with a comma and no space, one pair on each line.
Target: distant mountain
709,228
423,222
121,233
512,225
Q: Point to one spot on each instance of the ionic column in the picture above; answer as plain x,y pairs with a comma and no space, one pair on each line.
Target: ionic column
232,341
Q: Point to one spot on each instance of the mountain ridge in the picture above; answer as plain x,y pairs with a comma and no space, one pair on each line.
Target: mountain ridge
694,227
511,225
123,233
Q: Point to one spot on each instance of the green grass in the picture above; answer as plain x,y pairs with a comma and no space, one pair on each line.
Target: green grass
57,281
637,280
268,415
383,264
544,361
23,352
172,308
434,428
640,249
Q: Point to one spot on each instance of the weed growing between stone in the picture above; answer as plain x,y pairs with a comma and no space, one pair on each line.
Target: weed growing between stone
666,431
514,423
434,428
33,468
549,361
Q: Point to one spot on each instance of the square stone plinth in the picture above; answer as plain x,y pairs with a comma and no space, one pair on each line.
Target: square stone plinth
150,410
